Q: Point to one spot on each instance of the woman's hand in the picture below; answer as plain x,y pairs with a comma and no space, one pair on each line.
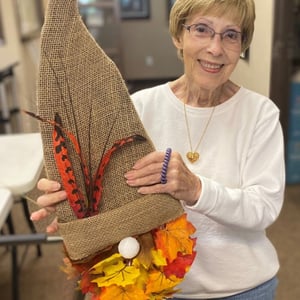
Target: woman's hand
51,197
182,184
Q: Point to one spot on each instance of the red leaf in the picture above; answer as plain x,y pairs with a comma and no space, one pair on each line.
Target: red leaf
180,265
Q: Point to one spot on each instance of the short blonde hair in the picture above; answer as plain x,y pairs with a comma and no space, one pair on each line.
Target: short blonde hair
241,11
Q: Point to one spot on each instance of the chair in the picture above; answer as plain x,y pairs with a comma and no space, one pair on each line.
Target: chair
13,240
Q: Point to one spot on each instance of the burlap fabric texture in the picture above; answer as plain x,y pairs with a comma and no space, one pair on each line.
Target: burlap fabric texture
78,81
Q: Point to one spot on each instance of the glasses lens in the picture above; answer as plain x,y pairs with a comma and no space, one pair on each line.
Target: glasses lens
201,30
231,36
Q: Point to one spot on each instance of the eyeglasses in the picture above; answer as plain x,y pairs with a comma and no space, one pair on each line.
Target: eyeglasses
230,37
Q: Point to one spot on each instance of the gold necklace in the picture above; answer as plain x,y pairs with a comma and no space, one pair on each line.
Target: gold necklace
193,155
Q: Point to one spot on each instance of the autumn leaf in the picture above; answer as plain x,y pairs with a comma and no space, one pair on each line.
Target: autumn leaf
86,285
120,274
159,283
158,258
175,237
94,297
180,265
113,270
143,278
130,292
112,260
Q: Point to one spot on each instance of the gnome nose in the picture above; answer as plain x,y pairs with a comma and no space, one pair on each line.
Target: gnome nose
129,247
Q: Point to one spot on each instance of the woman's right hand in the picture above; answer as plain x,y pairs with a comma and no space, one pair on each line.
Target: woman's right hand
48,201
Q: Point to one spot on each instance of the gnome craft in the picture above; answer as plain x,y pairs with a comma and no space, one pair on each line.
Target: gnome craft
117,242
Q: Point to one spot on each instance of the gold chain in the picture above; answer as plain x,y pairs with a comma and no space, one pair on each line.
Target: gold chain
193,155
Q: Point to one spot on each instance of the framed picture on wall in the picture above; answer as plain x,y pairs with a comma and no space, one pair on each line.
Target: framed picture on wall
169,5
1,28
135,9
30,15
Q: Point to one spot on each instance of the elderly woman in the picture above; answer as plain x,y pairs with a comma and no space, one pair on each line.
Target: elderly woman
227,161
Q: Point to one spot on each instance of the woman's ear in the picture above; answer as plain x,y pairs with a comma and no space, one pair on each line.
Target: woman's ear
177,42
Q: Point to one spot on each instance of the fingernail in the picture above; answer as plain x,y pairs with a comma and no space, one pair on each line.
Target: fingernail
128,175
140,191
33,217
63,194
129,182
56,185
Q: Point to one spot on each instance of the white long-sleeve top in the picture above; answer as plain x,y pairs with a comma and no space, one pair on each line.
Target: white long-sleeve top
242,171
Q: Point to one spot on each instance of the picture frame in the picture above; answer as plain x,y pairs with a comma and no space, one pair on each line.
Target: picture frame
169,5
134,9
30,15
1,28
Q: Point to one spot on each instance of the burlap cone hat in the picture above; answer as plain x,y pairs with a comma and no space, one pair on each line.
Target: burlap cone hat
81,84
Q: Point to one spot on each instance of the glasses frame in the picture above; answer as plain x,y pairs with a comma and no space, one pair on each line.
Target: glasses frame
214,33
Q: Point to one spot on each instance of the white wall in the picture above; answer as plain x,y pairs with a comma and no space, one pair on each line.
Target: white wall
9,51
256,73
25,53
148,51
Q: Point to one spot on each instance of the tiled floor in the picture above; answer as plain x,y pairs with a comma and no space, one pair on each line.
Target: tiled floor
42,279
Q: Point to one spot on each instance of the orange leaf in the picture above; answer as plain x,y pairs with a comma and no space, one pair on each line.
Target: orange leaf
175,237
122,293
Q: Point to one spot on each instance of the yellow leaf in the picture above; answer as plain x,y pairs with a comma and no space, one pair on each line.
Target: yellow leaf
158,283
115,259
119,274
143,278
158,258
113,270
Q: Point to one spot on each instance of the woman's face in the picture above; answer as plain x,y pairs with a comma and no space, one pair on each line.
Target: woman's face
209,61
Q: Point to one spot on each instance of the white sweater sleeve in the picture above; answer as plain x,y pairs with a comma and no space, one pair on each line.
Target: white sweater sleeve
257,203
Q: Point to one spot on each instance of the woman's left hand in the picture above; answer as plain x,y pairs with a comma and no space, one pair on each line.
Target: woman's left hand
182,184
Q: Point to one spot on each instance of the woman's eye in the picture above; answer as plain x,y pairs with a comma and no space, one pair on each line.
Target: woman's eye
201,28
231,34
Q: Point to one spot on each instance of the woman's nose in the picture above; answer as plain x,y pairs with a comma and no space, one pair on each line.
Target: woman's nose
215,45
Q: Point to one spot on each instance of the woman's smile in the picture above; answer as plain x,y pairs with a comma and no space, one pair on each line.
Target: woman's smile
209,66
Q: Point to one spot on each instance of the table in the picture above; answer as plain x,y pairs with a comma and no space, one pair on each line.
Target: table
21,161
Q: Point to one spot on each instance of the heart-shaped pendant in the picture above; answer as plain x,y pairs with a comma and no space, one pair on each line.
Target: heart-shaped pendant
192,156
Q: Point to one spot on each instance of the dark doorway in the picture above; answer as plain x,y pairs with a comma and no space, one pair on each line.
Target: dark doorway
283,57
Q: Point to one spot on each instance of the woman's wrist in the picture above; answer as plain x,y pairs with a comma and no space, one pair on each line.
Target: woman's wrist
197,192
